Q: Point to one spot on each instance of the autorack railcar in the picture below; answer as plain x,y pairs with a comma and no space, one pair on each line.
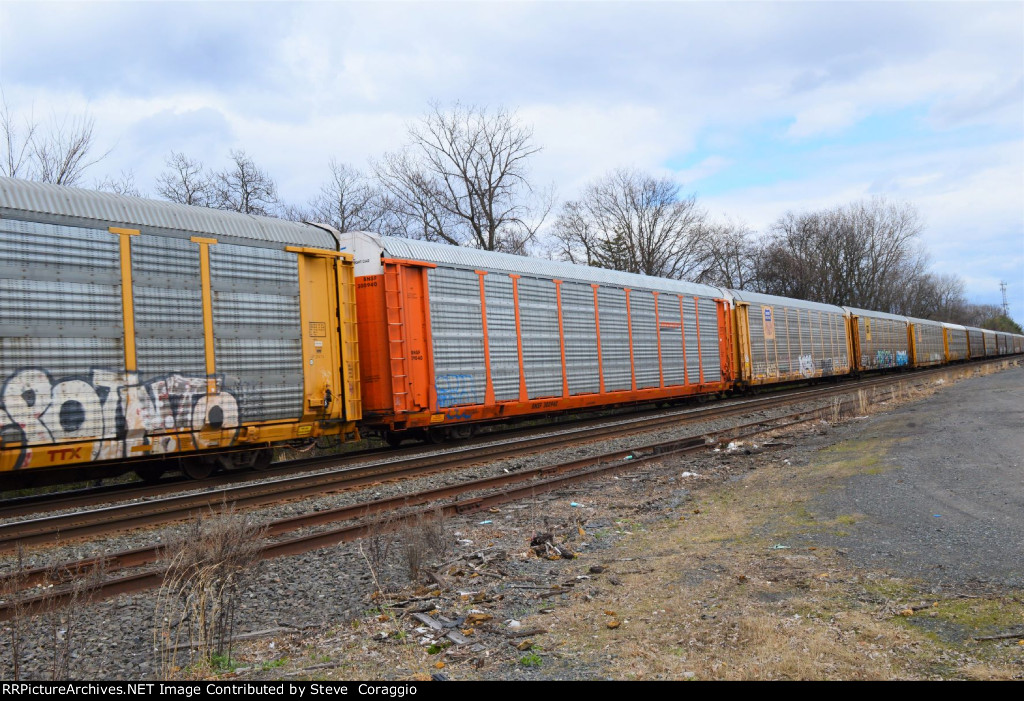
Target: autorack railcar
782,340
144,332
453,336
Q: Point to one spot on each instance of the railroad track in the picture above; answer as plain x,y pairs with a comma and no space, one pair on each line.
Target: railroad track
154,511
83,498
475,494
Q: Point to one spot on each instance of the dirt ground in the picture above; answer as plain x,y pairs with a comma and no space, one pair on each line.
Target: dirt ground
880,546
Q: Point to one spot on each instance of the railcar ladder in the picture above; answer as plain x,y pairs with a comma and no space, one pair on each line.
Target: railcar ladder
397,345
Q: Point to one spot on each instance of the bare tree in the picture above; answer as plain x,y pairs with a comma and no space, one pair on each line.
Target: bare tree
865,254
185,181
633,221
58,152
350,201
62,154
463,179
122,185
17,143
732,255
242,187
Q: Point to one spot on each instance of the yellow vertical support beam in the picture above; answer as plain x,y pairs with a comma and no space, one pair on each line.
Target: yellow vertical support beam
127,296
204,275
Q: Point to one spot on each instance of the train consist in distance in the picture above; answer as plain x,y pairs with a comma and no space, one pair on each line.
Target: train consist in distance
153,336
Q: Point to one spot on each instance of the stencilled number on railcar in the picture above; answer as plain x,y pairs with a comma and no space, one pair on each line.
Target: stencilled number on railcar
368,281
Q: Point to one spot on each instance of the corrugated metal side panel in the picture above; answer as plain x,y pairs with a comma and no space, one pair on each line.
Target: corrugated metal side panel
709,350
976,343
60,300
501,337
580,332
166,287
785,332
887,346
611,305
542,345
837,348
928,343
256,321
645,339
762,353
671,340
690,332
817,336
456,327
957,344
990,342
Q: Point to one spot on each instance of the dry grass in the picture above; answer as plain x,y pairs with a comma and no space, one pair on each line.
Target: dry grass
723,601
207,566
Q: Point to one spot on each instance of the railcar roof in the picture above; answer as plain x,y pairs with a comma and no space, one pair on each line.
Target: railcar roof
103,209
927,322
774,300
474,259
876,315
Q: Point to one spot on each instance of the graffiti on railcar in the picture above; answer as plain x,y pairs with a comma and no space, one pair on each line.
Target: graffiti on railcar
453,390
883,359
827,366
807,366
115,412
902,358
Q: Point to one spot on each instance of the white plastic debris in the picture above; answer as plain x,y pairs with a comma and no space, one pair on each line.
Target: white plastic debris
689,474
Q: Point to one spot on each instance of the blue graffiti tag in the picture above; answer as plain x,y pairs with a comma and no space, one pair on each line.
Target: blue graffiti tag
902,358
453,389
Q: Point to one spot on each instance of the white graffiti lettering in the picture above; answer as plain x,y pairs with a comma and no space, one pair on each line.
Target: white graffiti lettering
116,412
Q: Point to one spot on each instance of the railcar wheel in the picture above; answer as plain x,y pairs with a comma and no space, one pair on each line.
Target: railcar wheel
197,468
150,474
262,459
393,438
436,436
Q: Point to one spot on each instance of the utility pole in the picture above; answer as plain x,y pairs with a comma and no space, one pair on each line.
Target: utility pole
1006,305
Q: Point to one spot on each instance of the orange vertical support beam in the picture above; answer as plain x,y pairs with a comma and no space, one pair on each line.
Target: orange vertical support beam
657,329
629,328
682,334
523,396
725,340
428,335
597,328
700,354
561,337
489,388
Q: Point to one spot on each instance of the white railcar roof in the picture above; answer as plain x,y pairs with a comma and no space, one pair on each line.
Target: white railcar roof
774,300
926,322
876,315
475,259
103,209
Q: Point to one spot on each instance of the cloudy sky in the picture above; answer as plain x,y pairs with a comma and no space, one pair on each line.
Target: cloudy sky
758,107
